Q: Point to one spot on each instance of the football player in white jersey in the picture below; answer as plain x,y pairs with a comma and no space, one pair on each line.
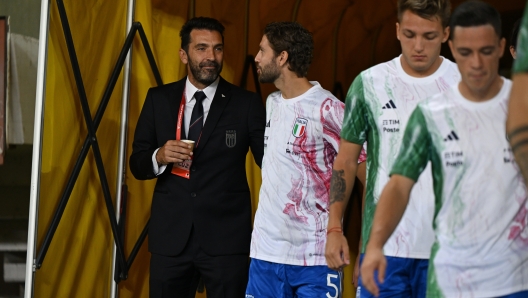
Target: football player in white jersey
378,106
481,245
300,143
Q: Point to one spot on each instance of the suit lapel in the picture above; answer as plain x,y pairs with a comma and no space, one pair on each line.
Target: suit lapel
220,100
175,99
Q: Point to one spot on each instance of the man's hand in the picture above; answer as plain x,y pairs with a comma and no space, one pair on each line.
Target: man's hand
355,277
173,151
373,261
336,252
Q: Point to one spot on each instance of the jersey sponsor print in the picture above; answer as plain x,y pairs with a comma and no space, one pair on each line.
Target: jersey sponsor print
481,247
378,106
301,142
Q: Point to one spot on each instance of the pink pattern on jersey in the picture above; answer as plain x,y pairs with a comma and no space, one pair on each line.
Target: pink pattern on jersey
518,229
317,178
442,84
290,210
331,125
362,156
296,194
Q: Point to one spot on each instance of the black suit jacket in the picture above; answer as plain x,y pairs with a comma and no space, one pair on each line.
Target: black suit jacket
216,199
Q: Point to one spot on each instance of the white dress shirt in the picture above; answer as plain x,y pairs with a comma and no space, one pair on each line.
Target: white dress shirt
190,90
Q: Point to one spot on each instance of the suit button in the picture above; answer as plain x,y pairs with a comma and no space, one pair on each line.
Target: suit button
193,194
193,170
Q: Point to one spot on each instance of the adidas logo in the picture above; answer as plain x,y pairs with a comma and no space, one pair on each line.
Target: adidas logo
452,136
389,105
268,124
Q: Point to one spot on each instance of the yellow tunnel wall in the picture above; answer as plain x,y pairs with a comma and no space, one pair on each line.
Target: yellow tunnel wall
349,36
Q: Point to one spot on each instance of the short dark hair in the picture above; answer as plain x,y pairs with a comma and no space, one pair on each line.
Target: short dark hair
199,23
475,13
515,33
294,39
426,9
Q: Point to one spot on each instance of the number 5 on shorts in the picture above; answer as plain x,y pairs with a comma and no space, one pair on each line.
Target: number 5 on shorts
332,285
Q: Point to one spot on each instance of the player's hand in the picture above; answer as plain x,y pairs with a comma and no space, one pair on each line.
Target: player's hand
355,277
336,252
173,151
373,261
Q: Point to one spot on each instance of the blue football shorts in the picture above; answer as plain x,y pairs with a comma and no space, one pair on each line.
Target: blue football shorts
404,277
267,279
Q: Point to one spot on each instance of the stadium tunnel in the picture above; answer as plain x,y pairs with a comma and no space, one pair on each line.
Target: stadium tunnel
349,36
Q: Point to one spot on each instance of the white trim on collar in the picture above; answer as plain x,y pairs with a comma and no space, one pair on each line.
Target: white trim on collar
209,91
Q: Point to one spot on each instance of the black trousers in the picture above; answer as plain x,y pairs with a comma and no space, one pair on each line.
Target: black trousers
223,276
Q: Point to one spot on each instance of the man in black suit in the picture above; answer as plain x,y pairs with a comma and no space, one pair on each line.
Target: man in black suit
201,211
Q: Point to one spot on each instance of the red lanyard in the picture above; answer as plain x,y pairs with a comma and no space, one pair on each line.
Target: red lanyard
181,168
180,116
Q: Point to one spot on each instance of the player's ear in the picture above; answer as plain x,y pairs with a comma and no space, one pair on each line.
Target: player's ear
447,31
183,56
283,58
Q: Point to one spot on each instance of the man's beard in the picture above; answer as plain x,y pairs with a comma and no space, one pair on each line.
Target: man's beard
205,76
269,73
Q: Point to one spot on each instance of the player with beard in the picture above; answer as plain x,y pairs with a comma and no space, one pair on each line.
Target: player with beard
201,207
303,122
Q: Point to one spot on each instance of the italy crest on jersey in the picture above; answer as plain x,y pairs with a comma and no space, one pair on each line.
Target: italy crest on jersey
299,127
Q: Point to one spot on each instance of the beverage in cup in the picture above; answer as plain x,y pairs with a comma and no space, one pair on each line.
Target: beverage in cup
190,142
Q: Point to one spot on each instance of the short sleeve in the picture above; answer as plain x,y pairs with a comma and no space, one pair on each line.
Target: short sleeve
521,63
355,120
415,150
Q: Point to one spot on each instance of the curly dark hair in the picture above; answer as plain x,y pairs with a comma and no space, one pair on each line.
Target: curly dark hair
426,9
199,23
294,39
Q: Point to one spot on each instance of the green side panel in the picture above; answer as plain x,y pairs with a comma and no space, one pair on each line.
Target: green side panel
433,290
521,63
355,121
359,126
429,139
373,163
438,174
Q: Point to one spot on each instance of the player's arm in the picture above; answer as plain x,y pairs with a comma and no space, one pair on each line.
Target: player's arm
389,211
415,152
344,173
517,124
362,176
